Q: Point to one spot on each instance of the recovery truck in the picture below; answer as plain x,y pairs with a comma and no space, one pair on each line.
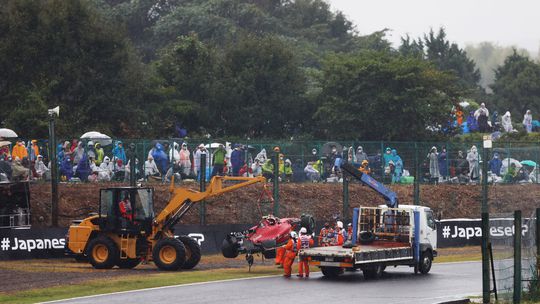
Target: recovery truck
388,235
116,237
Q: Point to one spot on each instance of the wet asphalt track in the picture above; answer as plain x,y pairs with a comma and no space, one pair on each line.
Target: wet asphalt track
445,282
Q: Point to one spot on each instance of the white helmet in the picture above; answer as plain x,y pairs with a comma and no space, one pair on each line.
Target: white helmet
303,230
294,235
339,224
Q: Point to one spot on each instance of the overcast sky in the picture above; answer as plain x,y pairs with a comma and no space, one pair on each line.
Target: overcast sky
505,22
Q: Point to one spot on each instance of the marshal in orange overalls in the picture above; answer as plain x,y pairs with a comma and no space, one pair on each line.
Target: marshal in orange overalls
305,242
291,249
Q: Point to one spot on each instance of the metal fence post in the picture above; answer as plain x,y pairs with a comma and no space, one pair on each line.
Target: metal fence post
485,226
345,198
276,183
54,172
517,256
416,176
202,185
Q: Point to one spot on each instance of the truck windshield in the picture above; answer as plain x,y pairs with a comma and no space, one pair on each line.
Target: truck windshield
144,207
430,220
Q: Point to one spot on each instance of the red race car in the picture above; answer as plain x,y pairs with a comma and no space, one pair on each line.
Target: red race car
270,233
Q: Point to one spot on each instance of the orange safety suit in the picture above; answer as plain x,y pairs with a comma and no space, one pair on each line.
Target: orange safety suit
280,255
291,250
323,237
305,241
339,237
349,233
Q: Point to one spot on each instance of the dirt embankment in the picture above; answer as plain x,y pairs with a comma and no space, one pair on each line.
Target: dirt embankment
321,200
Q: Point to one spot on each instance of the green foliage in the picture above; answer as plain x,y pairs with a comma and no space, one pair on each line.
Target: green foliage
517,85
58,52
375,95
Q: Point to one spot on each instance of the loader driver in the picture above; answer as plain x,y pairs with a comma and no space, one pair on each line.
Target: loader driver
125,207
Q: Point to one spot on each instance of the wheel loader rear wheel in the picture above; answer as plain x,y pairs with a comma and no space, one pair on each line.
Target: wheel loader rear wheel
193,252
169,254
102,252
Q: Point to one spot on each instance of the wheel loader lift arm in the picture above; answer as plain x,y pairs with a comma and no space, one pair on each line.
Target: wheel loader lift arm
389,195
182,199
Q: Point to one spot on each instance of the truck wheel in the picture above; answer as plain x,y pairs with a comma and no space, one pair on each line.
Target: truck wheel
169,254
308,222
128,263
102,252
331,272
193,252
229,247
373,272
426,259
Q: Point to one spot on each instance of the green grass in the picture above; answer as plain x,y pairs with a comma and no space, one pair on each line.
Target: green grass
94,287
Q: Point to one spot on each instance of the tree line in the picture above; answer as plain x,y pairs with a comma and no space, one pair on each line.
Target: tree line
237,69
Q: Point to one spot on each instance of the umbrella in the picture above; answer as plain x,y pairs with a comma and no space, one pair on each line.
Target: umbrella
327,147
212,145
529,163
464,104
95,136
4,143
507,162
8,133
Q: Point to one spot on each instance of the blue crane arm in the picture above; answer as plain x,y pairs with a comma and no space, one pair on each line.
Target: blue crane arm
388,195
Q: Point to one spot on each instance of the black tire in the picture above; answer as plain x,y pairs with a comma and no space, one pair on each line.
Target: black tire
426,260
269,254
102,252
308,222
366,237
193,252
169,254
229,247
373,272
331,272
128,263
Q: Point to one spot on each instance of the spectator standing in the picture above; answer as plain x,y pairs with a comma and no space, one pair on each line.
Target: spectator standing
459,116
119,152
472,124
360,155
268,169
507,122
19,150
398,171
106,169
387,157
527,121
443,163
66,169
100,154
434,171
92,152
33,150
185,162
237,160
78,153
261,156
482,116
197,159
83,168
495,165
312,174
218,158
474,163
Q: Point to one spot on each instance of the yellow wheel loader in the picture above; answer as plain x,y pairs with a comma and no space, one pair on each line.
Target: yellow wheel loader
125,231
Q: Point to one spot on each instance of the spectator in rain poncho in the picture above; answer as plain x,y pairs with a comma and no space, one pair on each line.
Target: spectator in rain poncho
40,167
443,164
19,172
398,171
387,157
33,150
150,168
237,159
261,156
312,174
360,155
19,150
66,169
495,165
60,154
100,154
83,168
174,155
161,159
106,169
119,169
507,122
119,152
91,152
482,117
474,163
78,153
256,168
218,160
527,121
197,159
185,161
434,171
472,124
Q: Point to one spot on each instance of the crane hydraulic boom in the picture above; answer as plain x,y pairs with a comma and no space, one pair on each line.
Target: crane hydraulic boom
389,196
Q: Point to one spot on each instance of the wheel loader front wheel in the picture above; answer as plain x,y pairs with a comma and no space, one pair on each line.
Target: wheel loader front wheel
193,252
102,252
169,254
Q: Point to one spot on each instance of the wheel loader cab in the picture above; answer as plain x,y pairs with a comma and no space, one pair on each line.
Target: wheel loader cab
126,210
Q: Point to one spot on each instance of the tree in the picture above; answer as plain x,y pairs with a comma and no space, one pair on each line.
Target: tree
57,52
517,85
377,95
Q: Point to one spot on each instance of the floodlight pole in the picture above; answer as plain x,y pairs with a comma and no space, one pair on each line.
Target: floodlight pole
54,171
487,144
